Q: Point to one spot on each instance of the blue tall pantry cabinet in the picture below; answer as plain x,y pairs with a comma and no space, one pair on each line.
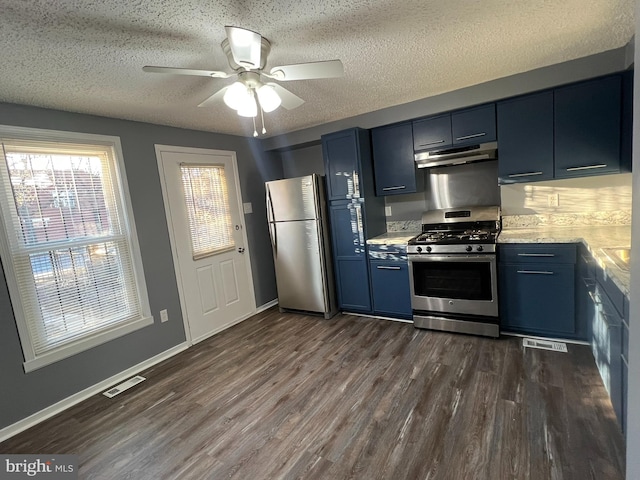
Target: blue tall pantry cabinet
355,214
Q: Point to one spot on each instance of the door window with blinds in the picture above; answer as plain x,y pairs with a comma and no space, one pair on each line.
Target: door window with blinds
207,201
69,250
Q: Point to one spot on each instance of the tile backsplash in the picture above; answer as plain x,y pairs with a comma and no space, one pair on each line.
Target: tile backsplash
583,196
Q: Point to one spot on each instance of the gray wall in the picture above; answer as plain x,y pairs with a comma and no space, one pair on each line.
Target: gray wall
299,162
633,409
24,394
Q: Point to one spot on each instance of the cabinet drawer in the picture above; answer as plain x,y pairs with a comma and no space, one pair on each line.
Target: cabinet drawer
537,253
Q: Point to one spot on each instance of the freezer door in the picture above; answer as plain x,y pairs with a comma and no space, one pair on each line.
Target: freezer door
299,274
292,199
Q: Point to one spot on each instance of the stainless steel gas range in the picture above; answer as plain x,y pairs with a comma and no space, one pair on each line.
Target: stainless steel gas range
453,271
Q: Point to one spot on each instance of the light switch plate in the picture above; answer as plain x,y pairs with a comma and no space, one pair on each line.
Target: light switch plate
553,200
387,211
164,316
247,207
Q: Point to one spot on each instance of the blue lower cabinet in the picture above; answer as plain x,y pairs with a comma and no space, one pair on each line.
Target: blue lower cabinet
391,290
353,285
537,290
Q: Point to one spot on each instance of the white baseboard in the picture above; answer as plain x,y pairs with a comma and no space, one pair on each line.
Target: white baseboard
267,305
50,411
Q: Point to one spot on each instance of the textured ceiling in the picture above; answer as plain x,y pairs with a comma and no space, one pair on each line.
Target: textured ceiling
87,56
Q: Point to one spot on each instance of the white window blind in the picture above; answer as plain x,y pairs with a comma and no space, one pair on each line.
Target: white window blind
207,201
69,242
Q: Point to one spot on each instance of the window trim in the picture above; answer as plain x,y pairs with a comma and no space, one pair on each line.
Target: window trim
31,360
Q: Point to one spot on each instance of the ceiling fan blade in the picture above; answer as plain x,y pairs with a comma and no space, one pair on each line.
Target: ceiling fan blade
308,71
215,98
246,46
289,100
186,71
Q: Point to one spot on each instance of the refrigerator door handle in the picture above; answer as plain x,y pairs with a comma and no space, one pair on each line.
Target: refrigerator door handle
273,231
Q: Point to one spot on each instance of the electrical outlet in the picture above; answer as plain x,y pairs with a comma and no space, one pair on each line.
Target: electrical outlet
164,316
553,200
387,211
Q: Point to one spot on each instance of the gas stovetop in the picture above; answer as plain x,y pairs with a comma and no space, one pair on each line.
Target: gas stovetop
467,230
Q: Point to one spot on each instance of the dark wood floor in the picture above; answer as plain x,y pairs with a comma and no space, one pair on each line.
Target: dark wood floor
291,396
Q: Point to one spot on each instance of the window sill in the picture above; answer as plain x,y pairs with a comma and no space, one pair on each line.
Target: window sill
81,345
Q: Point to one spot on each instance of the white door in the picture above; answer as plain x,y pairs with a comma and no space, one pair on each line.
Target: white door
208,240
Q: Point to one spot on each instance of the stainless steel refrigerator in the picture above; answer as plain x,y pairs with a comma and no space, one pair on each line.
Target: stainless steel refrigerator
298,226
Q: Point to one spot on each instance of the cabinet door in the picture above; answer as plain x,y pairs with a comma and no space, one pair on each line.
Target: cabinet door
537,298
476,125
341,154
525,139
351,267
391,289
393,162
587,128
432,133
353,285
346,229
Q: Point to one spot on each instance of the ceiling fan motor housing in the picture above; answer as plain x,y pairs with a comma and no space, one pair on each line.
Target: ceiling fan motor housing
265,48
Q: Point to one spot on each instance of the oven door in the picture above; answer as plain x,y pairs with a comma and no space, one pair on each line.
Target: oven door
455,284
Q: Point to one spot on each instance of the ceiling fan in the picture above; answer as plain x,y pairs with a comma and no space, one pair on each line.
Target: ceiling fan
247,52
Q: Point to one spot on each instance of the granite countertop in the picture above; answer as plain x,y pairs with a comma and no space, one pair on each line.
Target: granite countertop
393,238
593,237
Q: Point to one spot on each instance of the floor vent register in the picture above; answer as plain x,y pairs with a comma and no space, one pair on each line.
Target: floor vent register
544,345
126,385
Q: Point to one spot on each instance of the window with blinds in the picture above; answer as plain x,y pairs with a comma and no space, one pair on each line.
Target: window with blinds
71,258
207,201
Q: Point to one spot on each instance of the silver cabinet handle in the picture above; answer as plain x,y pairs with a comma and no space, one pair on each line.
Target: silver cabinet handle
382,267
475,135
536,255
528,174
430,143
399,187
536,272
587,167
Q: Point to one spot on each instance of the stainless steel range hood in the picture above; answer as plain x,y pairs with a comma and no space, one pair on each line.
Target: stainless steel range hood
457,155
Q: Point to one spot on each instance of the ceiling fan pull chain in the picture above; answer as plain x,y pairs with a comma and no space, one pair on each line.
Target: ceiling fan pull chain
264,130
255,132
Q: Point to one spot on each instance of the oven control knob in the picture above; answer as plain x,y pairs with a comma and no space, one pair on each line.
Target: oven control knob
428,249
419,249
479,248
469,248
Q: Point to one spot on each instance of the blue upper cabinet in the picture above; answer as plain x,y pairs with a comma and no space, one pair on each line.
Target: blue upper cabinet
393,161
525,138
341,152
588,127
475,125
457,129
432,133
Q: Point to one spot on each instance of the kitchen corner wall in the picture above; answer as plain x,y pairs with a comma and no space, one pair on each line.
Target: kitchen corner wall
604,199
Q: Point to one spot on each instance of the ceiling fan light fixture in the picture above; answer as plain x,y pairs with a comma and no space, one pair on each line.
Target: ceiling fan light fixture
236,95
268,98
249,108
